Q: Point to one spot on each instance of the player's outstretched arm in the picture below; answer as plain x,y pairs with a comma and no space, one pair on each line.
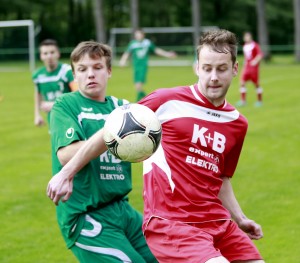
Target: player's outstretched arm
230,202
60,187
124,59
164,53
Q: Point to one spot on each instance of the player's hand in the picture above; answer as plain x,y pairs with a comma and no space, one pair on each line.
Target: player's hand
253,230
172,54
122,63
46,106
39,121
60,187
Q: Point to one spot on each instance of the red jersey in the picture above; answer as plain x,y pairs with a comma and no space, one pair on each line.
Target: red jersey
251,50
200,143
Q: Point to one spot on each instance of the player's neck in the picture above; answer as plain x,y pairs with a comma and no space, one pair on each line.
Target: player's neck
52,67
218,102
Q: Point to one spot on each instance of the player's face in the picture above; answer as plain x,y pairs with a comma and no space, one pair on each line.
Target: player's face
247,38
49,55
139,35
215,71
92,76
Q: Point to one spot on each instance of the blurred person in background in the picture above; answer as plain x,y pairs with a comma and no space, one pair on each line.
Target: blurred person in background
252,57
51,80
140,48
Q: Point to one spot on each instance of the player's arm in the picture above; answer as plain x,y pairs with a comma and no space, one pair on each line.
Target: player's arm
46,106
124,59
65,154
164,53
38,119
195,67
257,59
61,184
230,202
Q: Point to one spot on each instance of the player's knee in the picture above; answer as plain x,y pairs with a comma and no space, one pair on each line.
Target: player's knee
259,90
243,89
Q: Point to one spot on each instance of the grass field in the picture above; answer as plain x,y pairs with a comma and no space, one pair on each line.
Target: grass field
266,182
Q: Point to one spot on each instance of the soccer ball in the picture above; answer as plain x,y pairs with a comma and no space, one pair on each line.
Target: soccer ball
132,132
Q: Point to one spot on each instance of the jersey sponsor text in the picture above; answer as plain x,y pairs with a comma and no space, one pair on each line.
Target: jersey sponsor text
205,137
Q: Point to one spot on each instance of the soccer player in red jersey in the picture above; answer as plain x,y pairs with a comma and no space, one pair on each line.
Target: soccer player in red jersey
252,57
190,210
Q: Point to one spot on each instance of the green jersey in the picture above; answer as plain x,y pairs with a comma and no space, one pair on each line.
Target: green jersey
140,51
53,84
103,180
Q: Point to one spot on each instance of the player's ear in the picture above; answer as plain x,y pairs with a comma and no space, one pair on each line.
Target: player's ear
235,68
109,72
197,68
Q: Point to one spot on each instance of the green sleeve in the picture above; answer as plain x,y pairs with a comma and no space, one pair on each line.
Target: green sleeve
152,47
70,76
64,126
34,79
129,47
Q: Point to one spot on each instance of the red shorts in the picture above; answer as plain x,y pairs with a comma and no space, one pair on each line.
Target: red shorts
177,242
250,74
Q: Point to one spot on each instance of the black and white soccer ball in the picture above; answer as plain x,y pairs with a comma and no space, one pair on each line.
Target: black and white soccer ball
132,132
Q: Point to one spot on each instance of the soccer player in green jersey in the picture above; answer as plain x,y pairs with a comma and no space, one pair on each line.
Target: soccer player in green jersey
140,48
51,80
97,222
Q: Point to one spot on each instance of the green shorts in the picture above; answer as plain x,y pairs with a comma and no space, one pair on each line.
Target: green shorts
112,234
140,74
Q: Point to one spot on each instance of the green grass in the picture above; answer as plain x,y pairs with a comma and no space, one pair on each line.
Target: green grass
266,181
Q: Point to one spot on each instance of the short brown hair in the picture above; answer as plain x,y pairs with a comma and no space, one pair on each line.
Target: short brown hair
222,41
49,42
94,50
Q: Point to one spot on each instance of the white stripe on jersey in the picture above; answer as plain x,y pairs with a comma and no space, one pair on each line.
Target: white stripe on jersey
174,109
98,116
115,101
144,44
198,97
195,93
160,160
91,116
106,251
61,75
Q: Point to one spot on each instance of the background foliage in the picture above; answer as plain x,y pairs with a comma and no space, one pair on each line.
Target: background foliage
71,21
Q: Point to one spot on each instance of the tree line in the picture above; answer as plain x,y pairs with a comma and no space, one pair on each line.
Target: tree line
272,22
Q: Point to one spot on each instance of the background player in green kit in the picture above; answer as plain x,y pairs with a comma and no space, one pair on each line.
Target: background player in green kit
140,48
97,222
51,80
